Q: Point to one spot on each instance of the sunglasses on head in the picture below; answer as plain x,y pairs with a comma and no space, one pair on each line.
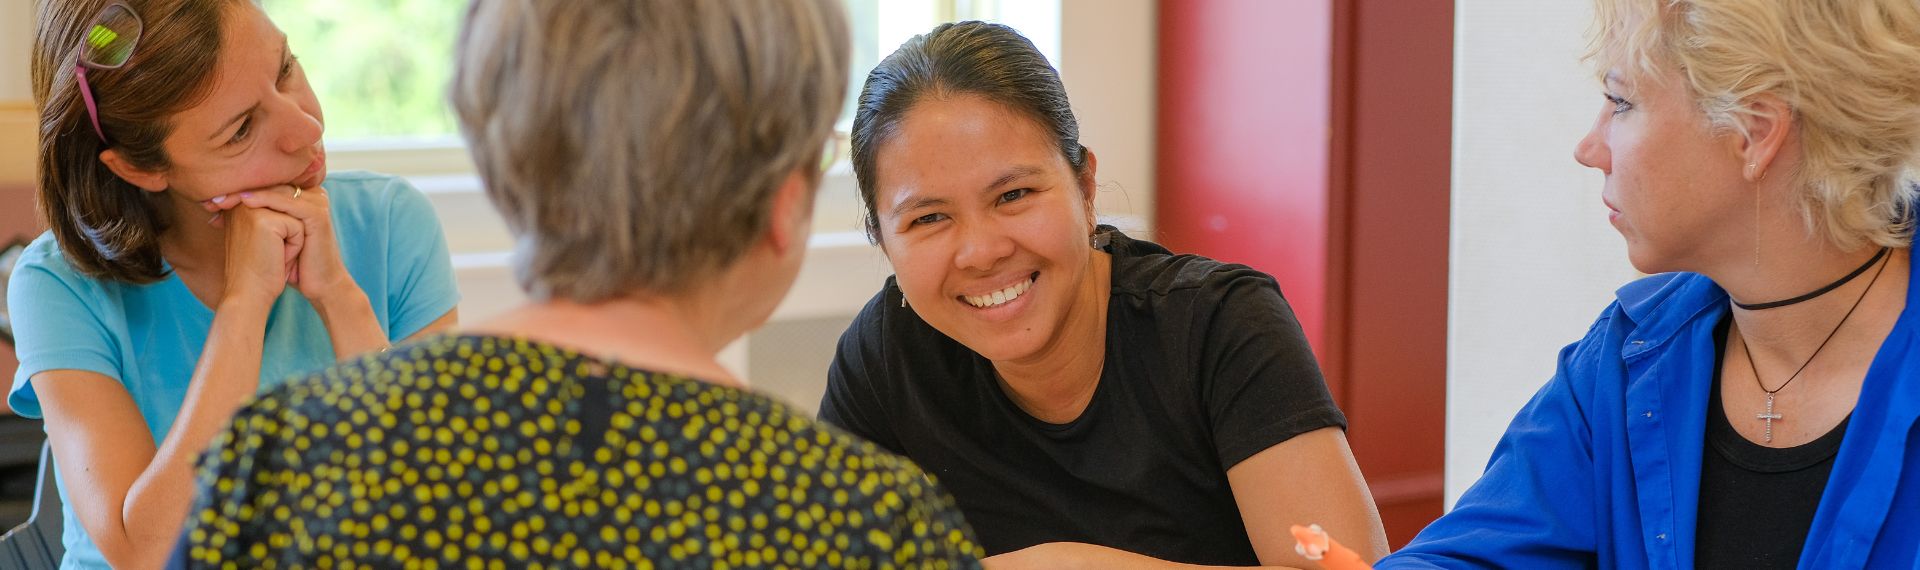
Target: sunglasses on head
108,44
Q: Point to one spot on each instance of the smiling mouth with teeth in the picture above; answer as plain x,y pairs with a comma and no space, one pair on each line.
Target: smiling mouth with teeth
1002,296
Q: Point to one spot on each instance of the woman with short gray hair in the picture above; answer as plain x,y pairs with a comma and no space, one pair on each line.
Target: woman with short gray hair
656,162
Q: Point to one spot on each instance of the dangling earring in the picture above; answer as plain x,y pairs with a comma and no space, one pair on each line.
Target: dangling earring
1756,222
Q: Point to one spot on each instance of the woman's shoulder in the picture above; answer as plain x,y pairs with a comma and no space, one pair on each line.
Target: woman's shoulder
43,253
859,474
889,499
1645,313
444,370
363,181
402,369
1678,291
358,193
43,258
372,208
1147,270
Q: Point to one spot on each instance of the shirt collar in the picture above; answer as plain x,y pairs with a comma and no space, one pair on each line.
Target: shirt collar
1661,305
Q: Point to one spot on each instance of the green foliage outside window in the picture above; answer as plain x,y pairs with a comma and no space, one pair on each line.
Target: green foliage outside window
380,67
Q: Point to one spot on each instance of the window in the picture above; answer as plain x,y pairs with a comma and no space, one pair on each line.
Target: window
880,26
381,67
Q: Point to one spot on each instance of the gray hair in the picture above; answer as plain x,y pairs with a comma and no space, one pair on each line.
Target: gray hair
634,145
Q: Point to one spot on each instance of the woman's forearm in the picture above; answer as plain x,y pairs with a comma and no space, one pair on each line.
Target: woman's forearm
350,322
227,376
1056,555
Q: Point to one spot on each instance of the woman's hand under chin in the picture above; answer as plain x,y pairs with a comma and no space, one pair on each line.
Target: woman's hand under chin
318,272
262,248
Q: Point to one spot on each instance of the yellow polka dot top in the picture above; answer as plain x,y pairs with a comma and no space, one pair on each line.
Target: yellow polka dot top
488,452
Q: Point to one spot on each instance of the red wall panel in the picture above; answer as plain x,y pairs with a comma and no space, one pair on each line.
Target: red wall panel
1244,91
1397,164
1311,139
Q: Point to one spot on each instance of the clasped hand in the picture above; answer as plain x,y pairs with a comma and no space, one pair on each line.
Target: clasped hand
280,236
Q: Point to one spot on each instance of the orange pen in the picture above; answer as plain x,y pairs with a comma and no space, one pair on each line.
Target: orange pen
1312,542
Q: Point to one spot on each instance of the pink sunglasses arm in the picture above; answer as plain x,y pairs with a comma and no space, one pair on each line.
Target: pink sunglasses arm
86,93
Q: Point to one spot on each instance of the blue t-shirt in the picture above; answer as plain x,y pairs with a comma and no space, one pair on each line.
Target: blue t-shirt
149,337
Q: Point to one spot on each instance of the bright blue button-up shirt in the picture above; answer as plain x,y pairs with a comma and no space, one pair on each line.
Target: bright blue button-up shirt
1602,467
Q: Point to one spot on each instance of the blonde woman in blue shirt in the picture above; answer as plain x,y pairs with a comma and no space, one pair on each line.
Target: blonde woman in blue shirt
1754,404
199,251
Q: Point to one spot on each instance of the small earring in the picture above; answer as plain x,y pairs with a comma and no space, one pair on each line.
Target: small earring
903,301
1099,240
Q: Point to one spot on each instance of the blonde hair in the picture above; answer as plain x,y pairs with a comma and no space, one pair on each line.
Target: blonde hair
635,145
1849,69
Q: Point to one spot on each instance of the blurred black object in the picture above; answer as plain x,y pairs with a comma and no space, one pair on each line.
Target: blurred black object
36,543
22,446
9,255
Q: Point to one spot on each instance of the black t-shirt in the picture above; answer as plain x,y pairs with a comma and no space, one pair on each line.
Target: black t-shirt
1205,366
1756,502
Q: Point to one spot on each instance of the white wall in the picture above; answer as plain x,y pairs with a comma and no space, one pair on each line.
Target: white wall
1107,62
17,119
1533,258
16,35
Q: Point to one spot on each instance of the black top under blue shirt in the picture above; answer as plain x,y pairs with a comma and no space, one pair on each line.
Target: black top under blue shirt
1757,502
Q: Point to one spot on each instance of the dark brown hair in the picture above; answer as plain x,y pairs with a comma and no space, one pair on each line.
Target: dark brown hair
107,227
989,60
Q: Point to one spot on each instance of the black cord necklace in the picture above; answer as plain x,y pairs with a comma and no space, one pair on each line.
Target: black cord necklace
1817,292
1769,415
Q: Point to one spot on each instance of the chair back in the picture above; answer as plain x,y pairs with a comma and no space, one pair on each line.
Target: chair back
36,544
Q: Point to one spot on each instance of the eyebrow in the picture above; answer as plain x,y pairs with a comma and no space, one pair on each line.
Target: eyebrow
1012,174
1015,173
236,118
250,110
1614,79
916,204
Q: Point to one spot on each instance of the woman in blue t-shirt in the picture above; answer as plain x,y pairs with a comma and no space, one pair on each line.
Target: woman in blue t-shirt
199,250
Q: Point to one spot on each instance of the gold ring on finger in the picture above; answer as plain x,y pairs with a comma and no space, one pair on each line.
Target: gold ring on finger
296,191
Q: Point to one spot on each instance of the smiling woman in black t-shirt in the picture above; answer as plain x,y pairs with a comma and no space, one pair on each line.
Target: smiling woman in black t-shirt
1087,397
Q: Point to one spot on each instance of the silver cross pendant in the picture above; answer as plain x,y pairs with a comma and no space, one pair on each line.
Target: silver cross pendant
1769,416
